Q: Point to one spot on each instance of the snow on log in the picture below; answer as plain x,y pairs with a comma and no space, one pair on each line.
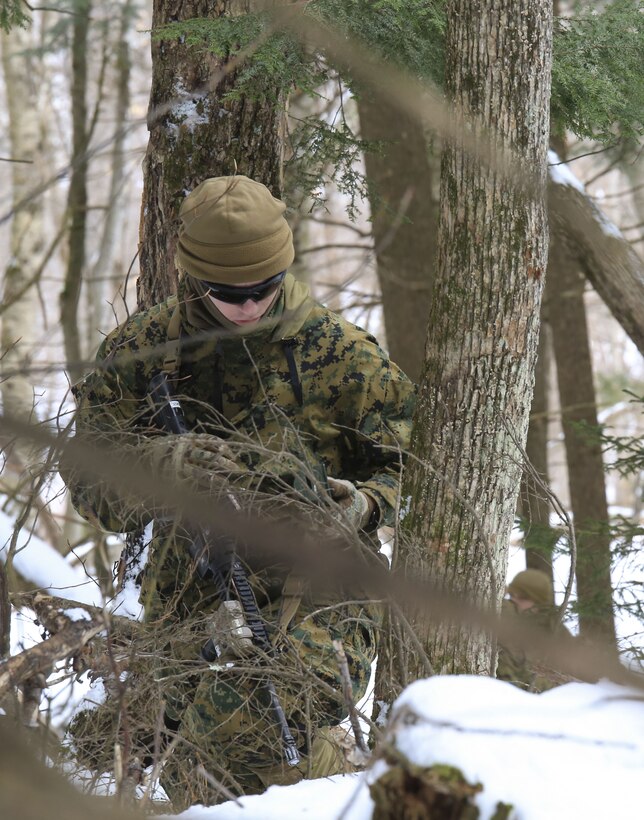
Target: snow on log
606,258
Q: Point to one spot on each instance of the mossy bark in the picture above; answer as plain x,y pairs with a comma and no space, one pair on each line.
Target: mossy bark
196,133
460,492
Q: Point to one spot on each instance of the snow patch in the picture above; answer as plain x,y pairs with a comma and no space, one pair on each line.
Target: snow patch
41,564
77,614
560,174
537,752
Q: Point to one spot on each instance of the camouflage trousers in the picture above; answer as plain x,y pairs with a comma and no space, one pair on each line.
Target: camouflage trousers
227,728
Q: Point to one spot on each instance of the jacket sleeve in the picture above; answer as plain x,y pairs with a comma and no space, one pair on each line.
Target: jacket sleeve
107,417
382,399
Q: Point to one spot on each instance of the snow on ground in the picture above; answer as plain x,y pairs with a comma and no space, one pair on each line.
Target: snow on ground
39,562
36,560
573,752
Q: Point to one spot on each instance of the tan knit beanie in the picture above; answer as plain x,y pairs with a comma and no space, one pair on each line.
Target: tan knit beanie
533,585
233,230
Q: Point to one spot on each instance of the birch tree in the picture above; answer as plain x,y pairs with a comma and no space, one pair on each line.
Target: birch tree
461,485
19,302
103,273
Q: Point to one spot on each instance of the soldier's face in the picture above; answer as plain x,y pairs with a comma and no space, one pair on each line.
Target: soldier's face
248,312
521,603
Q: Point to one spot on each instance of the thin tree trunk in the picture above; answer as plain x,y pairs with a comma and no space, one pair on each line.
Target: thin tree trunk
567,315
535,507
26,237
5,615
100,312
77,196
194,134
404,225
459,494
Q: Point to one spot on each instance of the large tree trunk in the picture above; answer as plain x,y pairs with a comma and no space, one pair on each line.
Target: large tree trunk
567,316
194,134
459,494
404,225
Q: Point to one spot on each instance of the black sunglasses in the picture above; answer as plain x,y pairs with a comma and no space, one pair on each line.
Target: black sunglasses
238,295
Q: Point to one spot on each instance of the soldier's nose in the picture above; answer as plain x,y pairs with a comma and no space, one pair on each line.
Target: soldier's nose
249,307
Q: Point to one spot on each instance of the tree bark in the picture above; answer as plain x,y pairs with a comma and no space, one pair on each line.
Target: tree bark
603,254
196,133
460,492
102,272
77,196
404,226
26,233
567,315
535,508
5,615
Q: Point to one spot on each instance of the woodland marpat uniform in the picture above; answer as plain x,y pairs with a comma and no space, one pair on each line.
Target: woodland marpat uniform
341,397
309,383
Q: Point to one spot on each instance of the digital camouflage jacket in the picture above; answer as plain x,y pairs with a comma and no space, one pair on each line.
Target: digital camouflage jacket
309,381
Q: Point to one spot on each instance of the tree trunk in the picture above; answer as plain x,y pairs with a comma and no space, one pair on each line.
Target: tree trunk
77,196
404,225
567,315
460,492
196,133
100,313
20,303
535,508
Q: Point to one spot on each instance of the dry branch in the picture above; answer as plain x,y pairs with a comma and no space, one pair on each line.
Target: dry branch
41,658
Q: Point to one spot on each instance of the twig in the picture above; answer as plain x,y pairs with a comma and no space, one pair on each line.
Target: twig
347,693
218,786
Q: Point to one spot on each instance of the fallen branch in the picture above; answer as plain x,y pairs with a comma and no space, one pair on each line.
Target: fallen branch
51,609
604,255
40,659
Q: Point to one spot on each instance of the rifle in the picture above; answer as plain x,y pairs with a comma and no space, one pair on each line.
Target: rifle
221,567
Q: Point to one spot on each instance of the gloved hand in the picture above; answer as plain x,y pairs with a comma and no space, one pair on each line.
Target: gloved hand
230,633
356,506
192,458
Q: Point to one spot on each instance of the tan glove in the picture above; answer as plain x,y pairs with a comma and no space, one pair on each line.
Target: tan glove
192,458
232,636
357,507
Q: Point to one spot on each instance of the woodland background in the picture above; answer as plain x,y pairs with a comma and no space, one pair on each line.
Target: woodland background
324,113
